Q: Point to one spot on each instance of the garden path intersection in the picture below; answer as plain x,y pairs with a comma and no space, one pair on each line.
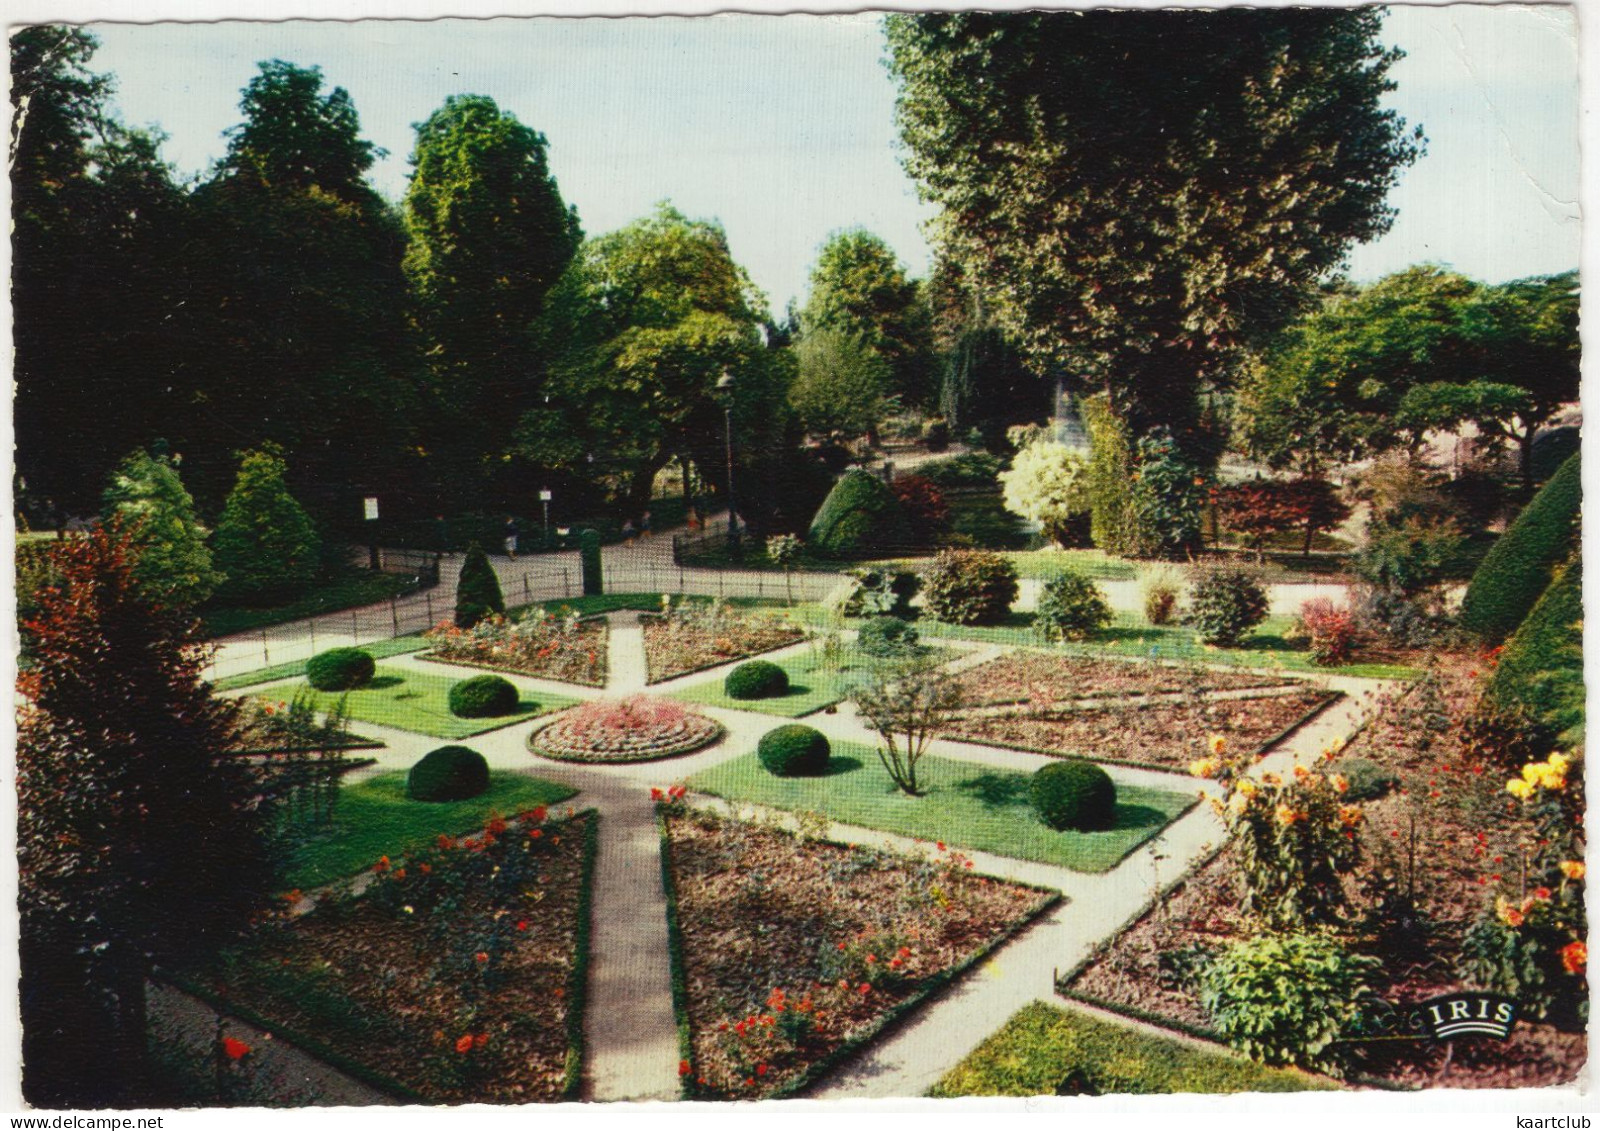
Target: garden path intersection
631,1035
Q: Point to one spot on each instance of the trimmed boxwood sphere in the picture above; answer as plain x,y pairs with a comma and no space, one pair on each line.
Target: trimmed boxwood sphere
794,751
484,696
450,773
756,679
1074,795
340,669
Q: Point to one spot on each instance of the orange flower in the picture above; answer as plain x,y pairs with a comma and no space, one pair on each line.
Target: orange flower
382,865
480,1040
1574,956
234,1050
1572,869
464,1043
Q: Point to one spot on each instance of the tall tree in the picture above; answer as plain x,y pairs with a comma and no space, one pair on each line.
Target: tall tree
266,543
96,221
174,563
489,235
137,843
293,330
1146,192
843,384
859,288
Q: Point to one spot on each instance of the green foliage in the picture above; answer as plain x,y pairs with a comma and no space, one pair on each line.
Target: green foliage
1540,672
794,750
1366,780
970,469
1169,493
887,637
756,679
174,564
860,514
1043,1045
484,696
265,543
1074,794
907,703
1517,568
877,592
1285,999
450,773
843,385
340,669
477,589
589,554
1116,523
1071,607
1160,587
1225,603
1048,483
970,587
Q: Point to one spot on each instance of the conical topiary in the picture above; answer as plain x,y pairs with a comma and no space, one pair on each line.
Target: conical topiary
859,514
265,544
477,589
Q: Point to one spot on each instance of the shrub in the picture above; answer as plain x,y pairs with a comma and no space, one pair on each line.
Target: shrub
924,506
1285,999
794,751
1225,603
1518,567
589,558
1074,794
971,469
174,564
1071,607
859,514
340,669
450,773
1365,780
1408,555
1331,631
1263,507
907,703
483,697
1169,493
1115,522
1048,483
877,592
477,589
1402,620
756,679
886,637
970,587
1160,586
1540,671
936,434
265,544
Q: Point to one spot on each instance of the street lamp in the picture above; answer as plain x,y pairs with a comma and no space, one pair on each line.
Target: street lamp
369,509
544,497
725,387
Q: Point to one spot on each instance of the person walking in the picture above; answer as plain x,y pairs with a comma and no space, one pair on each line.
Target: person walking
644,525
627,532
511,538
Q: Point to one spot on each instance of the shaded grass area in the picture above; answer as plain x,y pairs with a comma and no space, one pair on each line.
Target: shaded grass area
374,818
378,650
1042,1048
813,685
964,804
349,591
419,702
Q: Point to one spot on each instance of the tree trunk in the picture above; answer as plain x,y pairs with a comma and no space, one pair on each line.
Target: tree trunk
1525,446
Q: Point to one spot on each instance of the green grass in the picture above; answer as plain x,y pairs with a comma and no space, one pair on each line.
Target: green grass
375,818
353,590
811,686
965,804
1031,1054
378,650
419,702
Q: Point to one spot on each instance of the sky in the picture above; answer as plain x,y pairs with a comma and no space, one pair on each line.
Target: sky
782,127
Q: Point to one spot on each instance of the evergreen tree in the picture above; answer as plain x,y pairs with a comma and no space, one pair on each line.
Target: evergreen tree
174,564
265,542
138,839
477,589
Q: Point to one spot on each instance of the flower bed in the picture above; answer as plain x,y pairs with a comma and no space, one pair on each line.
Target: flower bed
278,725
692,636
560,646
1446,852
1042,678
794,953
639,729
458,973
1156,735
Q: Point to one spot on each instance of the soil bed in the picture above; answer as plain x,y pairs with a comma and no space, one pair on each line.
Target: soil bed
451,974
795,950
1037,677
1449,830
1165,736
683,643
576,657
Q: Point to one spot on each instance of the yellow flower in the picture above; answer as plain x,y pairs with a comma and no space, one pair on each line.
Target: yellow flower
1300,772
1349,816
1533,771
1519,788
1572,869
1510,916
1203,768
1340,783
1288,815
1247,786
1218,743
1558,762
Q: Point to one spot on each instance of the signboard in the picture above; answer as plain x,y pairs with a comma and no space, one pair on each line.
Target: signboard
544,496
1467,1014
370,503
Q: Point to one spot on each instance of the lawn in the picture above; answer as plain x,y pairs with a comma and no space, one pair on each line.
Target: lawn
378,650
1043,1048
374,818
812,686
419,702
348,591
966,805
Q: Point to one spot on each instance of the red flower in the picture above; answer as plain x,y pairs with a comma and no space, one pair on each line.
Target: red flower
382,865
480,1040
536,834
1541,893
497,825
522,924
761,1070
234,1050
464,1043
683,1068
939,844
656,794
481,957
1574,956
865,988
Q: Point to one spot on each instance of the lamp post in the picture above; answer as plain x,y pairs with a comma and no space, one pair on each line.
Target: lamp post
725,387
544,498
369,507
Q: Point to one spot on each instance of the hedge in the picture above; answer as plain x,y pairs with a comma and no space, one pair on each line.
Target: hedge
1517,568
859,514
1541,669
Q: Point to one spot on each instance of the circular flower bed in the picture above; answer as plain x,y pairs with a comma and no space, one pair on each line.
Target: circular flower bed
640,729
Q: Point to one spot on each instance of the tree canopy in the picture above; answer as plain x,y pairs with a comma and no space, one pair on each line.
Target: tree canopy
1144,193
859,288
